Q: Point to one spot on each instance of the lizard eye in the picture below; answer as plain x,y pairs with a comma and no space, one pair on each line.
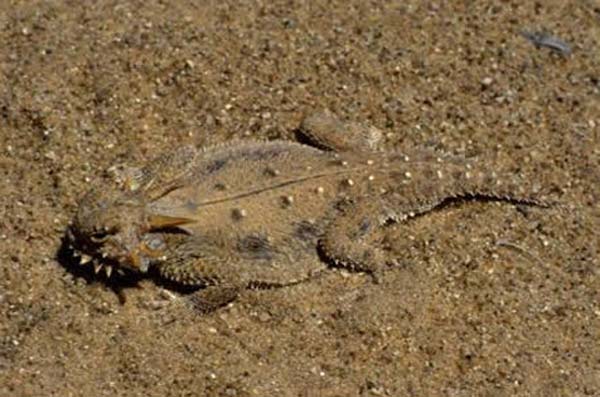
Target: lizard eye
100,236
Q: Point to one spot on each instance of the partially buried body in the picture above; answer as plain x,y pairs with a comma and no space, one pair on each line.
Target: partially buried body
266,214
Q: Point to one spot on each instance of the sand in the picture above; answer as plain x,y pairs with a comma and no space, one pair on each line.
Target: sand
490,300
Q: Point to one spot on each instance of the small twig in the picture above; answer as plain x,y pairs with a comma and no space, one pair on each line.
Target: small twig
541,39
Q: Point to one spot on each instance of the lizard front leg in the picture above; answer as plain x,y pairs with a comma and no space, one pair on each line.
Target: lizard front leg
203,267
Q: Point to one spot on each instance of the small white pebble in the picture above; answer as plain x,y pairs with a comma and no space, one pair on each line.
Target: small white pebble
487,81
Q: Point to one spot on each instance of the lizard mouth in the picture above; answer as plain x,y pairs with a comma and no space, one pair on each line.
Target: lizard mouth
98,264
112,255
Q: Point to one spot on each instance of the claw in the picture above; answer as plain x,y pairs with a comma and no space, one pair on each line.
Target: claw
97,267
108,270
85,259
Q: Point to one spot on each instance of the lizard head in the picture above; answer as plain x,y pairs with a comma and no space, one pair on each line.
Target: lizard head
111,230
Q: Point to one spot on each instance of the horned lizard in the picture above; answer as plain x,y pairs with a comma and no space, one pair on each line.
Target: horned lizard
246,214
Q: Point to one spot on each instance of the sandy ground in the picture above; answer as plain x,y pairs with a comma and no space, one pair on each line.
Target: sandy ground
491,300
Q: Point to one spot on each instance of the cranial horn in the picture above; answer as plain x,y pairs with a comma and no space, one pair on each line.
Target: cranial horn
160,221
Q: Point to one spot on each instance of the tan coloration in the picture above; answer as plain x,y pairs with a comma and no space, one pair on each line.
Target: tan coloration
265,227
326,131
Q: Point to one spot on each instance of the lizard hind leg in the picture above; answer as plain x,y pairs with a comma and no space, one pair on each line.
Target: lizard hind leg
349,241
326,131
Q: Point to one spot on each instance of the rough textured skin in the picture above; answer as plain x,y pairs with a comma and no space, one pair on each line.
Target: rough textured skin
258,213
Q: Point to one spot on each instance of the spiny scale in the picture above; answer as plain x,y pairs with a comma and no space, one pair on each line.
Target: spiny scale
84,259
